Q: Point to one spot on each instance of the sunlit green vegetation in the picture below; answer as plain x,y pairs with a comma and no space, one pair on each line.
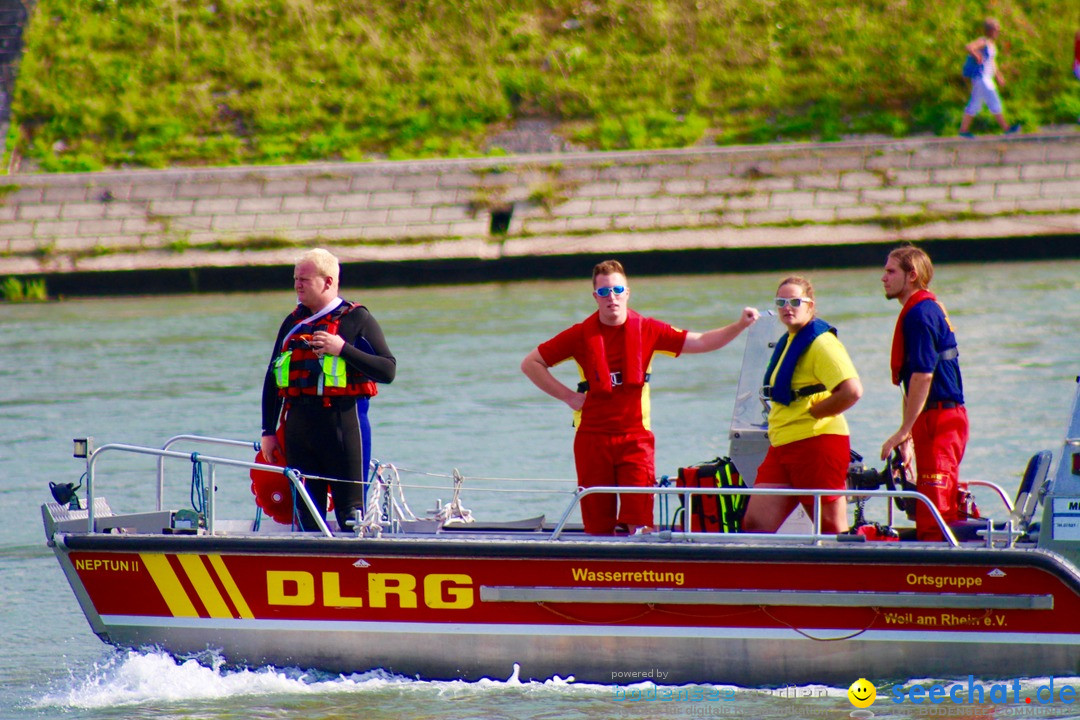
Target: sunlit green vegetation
13,289
155,83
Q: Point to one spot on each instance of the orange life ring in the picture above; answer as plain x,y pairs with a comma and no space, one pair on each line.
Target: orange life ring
272,490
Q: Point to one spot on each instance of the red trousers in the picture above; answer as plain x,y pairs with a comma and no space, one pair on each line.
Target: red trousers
622,460
815,463
940,437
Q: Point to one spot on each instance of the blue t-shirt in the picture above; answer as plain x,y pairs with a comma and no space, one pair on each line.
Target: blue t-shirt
928,333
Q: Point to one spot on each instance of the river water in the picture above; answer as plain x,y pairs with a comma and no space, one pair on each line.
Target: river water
140,370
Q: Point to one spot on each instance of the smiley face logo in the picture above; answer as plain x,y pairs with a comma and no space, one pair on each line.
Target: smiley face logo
862,693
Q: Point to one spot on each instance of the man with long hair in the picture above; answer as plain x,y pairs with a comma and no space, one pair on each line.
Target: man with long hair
925,364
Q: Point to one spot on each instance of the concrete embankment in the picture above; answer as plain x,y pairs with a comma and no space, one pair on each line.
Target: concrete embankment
701,209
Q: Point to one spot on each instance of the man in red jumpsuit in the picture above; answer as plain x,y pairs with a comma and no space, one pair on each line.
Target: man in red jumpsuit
613,443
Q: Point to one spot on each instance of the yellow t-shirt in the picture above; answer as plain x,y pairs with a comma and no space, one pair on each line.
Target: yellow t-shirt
825,362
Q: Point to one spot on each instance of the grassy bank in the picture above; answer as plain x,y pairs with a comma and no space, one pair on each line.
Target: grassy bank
154,83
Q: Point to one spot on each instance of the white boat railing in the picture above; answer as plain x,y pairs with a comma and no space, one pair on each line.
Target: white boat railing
209,488
816,536
996,488
296,479
197,439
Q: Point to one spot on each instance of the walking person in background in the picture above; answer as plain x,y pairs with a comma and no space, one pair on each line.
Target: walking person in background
613,442
327,357
981,67
1076,57
924,363
810,381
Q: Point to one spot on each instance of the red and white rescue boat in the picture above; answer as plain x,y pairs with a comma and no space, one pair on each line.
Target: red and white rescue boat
469,600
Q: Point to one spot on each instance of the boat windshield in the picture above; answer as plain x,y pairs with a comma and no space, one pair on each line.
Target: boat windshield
751,411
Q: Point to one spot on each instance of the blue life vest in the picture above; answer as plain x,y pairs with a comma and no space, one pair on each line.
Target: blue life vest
781,391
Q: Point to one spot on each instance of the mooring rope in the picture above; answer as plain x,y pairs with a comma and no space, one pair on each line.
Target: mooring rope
371,526
455,511
807,635
198,486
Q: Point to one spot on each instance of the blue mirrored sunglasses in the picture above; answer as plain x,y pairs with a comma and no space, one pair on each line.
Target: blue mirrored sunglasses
605,291
793,302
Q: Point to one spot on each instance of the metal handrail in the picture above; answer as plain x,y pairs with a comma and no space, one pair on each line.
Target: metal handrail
817,495
994,486
256,446
296,479
292,474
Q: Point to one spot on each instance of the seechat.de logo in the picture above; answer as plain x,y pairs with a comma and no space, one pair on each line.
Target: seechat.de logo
862,693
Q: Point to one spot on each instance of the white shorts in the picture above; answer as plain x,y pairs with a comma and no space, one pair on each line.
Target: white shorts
982,93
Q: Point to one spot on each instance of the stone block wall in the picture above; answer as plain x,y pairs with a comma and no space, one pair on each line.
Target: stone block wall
866,191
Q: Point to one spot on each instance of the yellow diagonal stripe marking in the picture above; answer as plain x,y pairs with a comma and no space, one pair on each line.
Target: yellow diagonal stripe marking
204,586
230,587
172,592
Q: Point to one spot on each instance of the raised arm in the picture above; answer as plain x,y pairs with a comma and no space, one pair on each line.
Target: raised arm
715,339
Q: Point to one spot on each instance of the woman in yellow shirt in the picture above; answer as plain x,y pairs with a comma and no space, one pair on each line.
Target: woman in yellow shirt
810,381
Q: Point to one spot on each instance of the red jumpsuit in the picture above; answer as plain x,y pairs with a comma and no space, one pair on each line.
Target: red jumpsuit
614,444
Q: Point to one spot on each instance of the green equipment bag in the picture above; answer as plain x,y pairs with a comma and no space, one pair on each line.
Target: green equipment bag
712,513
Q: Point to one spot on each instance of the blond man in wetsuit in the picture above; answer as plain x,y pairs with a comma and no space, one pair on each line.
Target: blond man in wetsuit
327,357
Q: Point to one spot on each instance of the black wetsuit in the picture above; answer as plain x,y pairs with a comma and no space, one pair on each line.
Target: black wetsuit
331,436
